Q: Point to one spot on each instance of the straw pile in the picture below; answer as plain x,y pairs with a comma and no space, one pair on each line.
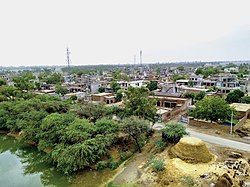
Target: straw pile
192,150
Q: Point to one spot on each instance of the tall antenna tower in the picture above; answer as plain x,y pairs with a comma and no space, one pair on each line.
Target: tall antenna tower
68,58
141,58
134,60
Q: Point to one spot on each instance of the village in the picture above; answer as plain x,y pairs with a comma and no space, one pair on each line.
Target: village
181,94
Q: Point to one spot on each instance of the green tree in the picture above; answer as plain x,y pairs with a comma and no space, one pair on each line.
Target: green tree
118,95
212,108
135,128
101,89
90,111
190,96
137,103
178,77
173,132
52,129
206,71
2,82
25,81
181,68
51,78
152,85
245,99
199,96
115,86
235,96
62,90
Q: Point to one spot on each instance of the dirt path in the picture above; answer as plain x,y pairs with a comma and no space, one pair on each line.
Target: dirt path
130,172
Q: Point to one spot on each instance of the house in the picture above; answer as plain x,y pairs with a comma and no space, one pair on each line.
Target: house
182,82
227,83
107,98
125,84
242,109
169,107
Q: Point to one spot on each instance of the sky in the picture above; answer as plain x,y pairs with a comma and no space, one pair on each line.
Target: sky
37,32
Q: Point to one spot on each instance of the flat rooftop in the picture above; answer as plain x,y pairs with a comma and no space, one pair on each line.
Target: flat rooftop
102,94
241,107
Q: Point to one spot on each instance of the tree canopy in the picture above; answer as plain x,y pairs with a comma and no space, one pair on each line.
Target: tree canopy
137,103
234,96
212,108
135,128
152,85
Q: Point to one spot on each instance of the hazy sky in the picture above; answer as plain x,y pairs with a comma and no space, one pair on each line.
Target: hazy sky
36,32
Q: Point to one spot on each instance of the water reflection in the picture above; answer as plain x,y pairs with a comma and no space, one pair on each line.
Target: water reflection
24,165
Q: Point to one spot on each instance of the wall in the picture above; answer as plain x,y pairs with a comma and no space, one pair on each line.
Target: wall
201,123
240,123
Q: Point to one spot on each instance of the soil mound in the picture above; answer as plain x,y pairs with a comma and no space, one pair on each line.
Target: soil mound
192,150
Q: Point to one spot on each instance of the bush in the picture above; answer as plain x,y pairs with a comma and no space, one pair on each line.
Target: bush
113,165
173,132
101,165
160,145
187,181
125,155
157,165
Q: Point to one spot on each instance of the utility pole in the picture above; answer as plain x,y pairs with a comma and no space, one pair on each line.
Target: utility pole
231,128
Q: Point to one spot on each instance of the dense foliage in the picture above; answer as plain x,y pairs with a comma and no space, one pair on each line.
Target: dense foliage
135,128
173,132
61,90
212,108
206,71
234,96
75,136
245,99
152,85
2,82
137,103
195,96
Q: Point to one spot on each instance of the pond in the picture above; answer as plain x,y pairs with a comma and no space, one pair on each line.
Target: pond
23,165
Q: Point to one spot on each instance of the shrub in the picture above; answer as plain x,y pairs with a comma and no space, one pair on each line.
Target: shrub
173,132
187,181
160,145
101,165
157,165
113,165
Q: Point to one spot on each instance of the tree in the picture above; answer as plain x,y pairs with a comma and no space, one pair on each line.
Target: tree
173,132
178,77
245,99
61,89
206,71
137,103
118,95
199,96
115,86
212,108
91,111
181,68
101,89
51,78
234,96
152,85
190,96
25,81
135,128
2,82
52,129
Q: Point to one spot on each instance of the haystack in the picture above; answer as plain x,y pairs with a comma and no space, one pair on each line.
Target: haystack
192,150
